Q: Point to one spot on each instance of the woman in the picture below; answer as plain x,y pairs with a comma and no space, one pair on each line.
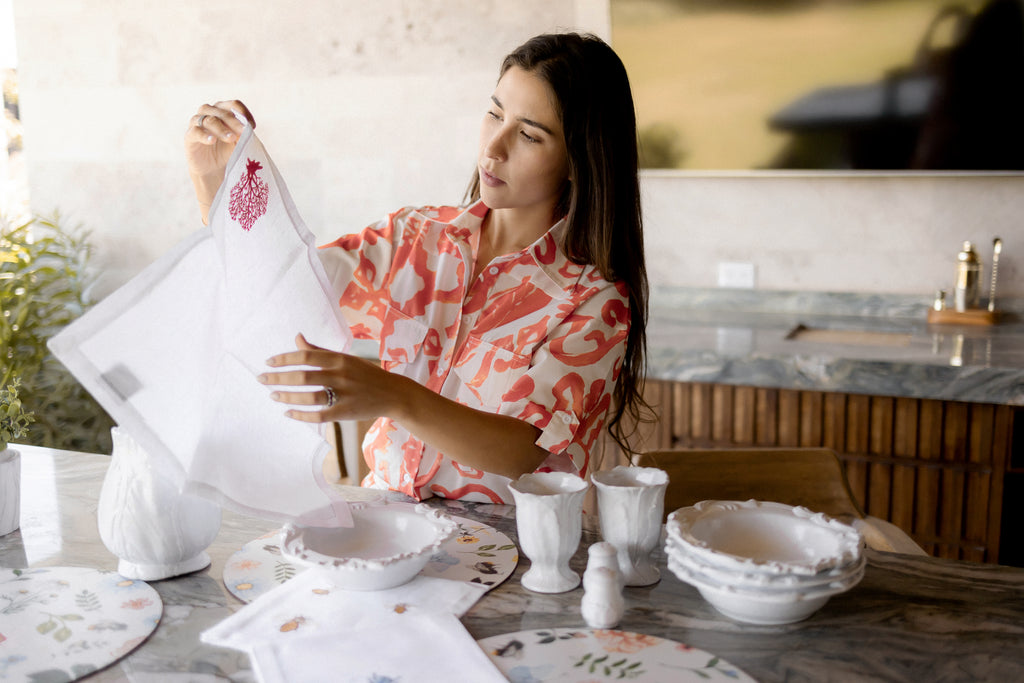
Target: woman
510,330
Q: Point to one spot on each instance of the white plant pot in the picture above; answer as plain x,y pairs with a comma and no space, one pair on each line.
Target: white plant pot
549,519
10,491
155,530
630,504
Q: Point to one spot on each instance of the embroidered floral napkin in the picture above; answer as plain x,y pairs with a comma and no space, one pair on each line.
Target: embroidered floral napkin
307,629
173,355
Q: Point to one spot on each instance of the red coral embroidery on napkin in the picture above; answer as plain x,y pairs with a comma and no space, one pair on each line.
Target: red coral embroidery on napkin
249,196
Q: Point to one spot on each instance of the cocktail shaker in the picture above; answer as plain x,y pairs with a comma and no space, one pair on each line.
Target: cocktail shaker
968,275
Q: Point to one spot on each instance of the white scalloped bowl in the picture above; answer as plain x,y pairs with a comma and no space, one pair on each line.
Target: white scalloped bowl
761,562
762,607
756,536
387,546
763,581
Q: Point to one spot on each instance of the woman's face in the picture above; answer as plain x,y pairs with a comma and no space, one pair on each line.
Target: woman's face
523,160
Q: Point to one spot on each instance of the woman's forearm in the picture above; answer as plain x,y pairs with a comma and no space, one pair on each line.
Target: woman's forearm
494,443
363,390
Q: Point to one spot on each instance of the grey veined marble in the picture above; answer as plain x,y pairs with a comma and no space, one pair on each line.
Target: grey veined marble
871,344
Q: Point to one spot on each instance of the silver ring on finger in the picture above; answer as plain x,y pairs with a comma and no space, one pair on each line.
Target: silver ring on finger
330,396
199,121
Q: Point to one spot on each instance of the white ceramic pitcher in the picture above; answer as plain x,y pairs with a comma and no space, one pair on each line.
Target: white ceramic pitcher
549,519
630,505
10,491
155,530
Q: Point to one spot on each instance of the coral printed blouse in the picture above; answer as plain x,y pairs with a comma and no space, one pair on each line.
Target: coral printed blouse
536,337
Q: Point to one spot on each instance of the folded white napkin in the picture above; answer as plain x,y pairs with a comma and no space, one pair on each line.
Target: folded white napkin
310,602
306,629
173,354
414,646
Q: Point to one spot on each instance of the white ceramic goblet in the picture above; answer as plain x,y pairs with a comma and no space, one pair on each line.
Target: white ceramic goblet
549,519
630,504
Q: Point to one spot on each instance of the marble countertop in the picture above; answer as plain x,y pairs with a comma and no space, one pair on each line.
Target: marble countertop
870,344
912,618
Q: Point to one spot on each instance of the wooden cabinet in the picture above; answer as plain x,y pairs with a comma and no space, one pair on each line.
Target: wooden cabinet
934,468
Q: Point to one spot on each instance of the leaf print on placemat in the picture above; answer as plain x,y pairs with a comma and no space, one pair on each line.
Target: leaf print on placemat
619,669
553,635
715,664
87,601
56,625
489,550
284,571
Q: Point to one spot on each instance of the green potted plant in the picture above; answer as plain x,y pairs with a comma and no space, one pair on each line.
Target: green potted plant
44,283
14,421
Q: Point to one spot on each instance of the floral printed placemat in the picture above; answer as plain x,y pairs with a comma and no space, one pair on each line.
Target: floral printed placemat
63,623
587,655
478,553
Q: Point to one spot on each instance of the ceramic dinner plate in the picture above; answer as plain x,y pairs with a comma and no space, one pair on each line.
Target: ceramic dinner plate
63,623
586,655
477,553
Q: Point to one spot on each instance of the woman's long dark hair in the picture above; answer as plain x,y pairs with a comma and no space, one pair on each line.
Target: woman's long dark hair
602,200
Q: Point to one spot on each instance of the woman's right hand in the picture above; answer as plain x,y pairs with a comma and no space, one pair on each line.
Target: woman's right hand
209,140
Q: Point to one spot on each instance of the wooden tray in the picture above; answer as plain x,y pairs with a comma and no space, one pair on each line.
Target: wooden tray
973,316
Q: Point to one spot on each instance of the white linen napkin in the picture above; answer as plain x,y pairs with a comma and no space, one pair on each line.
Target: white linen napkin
310,602
308,627
414,646
173,354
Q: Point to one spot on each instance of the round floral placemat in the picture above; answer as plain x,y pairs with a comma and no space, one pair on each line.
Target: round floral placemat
478,553
63,623
586,655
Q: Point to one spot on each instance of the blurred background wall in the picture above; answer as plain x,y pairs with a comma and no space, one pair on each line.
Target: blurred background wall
364,106
369,106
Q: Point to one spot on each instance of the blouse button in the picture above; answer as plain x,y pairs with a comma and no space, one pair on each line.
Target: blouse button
565,418
494,270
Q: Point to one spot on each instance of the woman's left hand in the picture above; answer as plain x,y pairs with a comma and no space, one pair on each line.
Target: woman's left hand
347,387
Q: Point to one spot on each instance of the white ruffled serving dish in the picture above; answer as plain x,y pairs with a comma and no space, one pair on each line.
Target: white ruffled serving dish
830,584
762,607
764,537
387,546
762,581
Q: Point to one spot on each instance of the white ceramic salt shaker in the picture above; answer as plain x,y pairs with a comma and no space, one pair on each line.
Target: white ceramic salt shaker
155,530
602,605
604,554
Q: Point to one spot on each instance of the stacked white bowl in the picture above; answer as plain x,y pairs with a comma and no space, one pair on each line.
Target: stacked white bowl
762,562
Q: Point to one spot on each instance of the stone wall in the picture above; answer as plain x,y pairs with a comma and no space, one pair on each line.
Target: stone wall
366,106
